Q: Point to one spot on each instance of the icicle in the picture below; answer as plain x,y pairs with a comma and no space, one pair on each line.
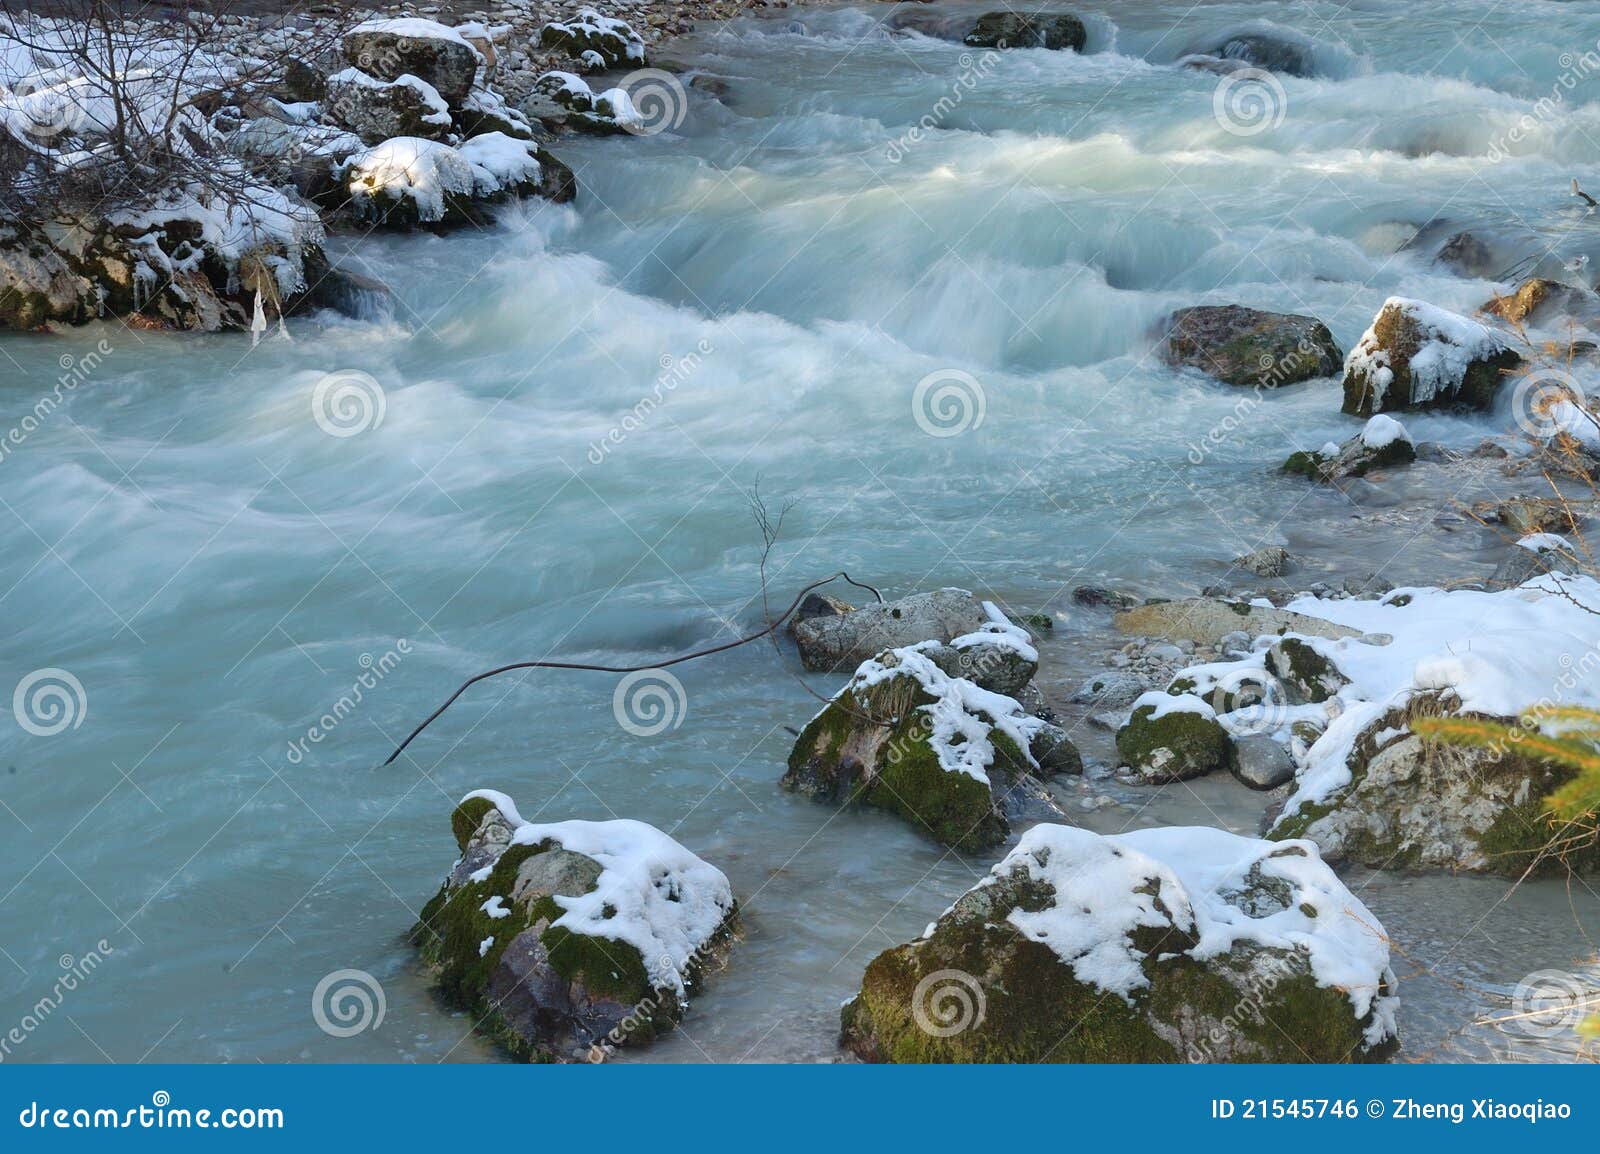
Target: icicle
283,329
258,323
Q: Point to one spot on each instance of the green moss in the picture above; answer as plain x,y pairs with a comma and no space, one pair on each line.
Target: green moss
1173,747
1305,465
1308,675
466,818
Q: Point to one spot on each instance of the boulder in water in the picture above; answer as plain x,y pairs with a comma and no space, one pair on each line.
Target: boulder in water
842,641
1054,30
1537,301
569,940
1382,443
1245,346
1160,945
1418,356
1173,737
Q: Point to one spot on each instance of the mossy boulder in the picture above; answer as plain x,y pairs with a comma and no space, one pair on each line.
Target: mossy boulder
1382,444
1415,804
1306,674
614,41
1173,738
568,940
1245,346
906,736
1164,945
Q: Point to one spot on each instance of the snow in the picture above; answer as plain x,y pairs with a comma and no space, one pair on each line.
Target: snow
1499,654
424,171
1380,432
1106,887
485,946
415,28
438,108
1162,703
499,162
495,908
1546,543
961,709
590,22
652,894
1448,346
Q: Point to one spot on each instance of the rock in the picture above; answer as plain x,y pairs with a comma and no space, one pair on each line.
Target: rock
1160,945
1382,443
484,112
1244,346
1116,689
1055,30
1173,738
1537,301
1411,804
378,110
1205,620
905,736
349,293
1418,356
1306,674
819,605
1260,762
303,81
564,99
568,940
1468,256
1533,556
1257,50
998,658
38,283
1099,597
830,643
408,181
613,41
437,55
1271,561
1527,515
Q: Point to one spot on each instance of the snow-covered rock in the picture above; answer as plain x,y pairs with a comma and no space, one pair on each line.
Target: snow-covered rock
567,940
378,110
1367,789
1416,355
565,99
940,750
614,41
1173,736
1161,945
1382,443
409,181
391,48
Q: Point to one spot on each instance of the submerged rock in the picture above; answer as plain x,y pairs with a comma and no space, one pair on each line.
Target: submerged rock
1270,561
568,940
1537,301
1382,443
1244,346
1418,356
1526,515
1162,945
1467,255
439,56
1054,30
907,736
838,641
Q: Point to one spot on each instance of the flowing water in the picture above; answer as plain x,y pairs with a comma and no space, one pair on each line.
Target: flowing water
216,569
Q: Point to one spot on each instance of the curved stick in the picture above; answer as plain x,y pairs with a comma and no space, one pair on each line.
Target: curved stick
779,620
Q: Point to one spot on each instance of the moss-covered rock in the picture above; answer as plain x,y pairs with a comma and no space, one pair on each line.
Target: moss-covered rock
1244,346
1173,739
908,737
1412,804
1382,444
1417,356
568,940
1305,674
1166,945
